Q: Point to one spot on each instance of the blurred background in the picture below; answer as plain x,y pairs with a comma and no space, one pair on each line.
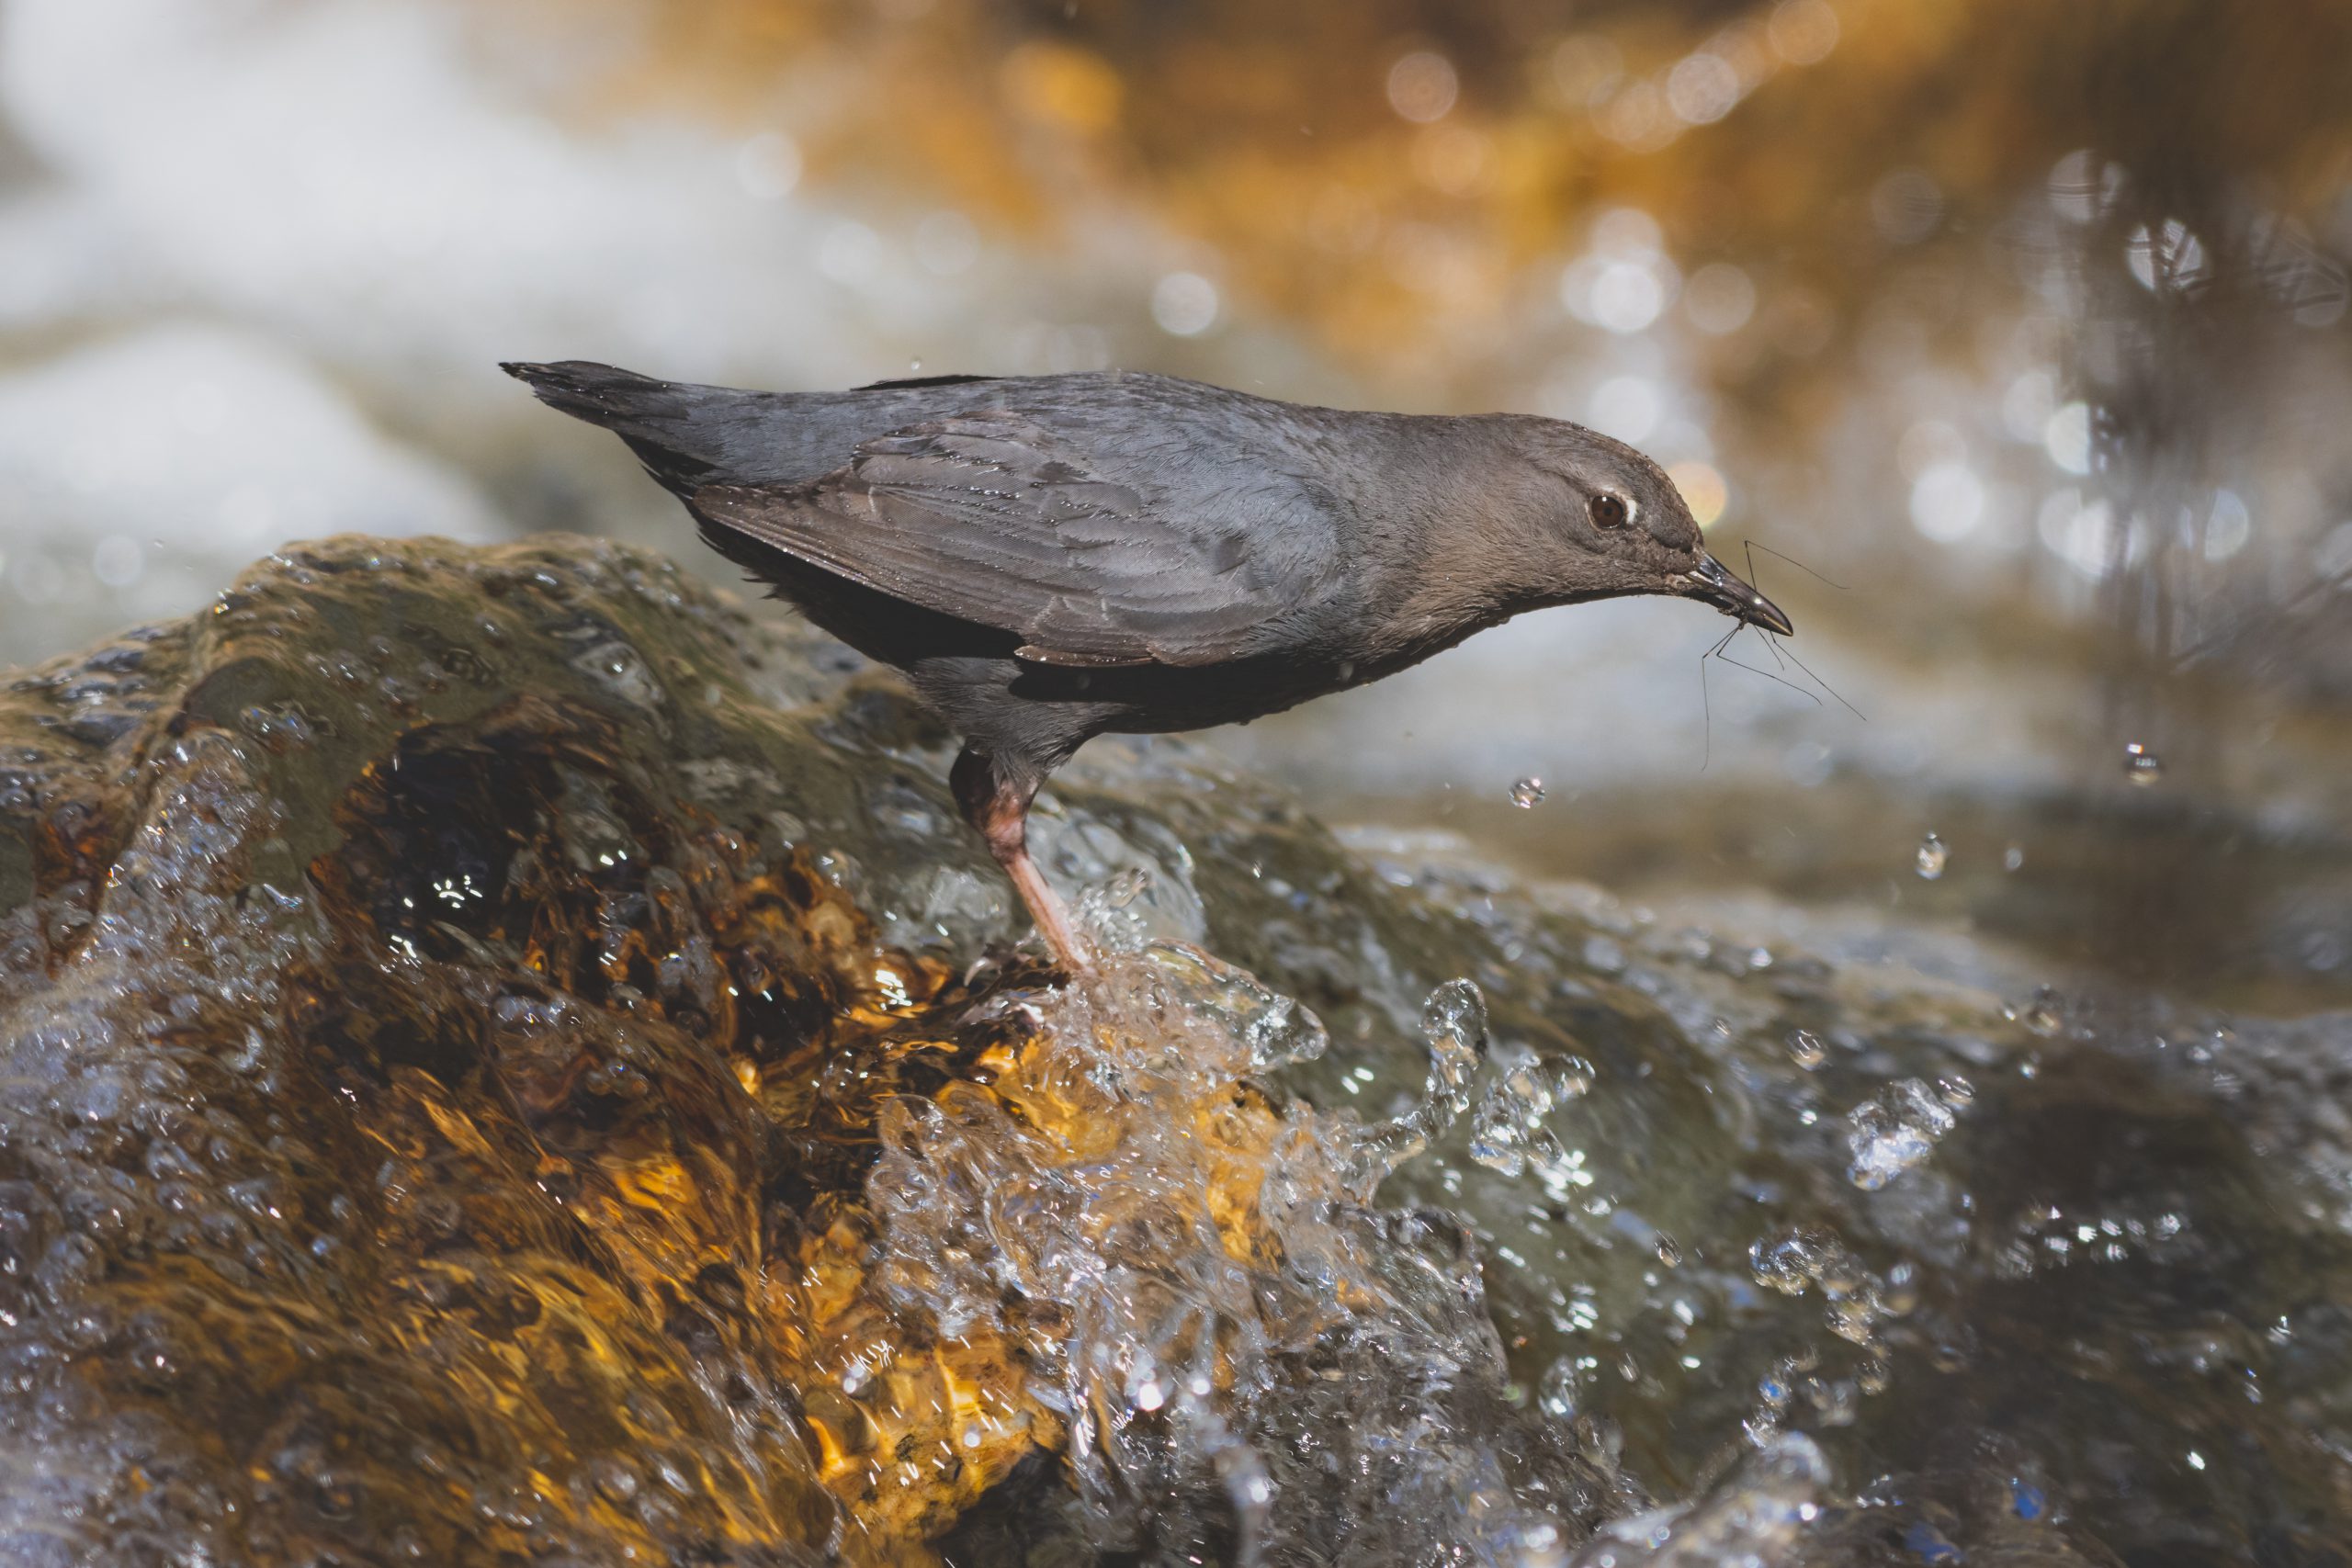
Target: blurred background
2020,326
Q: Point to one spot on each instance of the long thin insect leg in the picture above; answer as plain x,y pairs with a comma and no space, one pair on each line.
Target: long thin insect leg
1707,745
1829,688
1759,670
1792,560
1756,582
1772,644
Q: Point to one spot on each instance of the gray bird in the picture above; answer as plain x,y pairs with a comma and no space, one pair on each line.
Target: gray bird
1050,558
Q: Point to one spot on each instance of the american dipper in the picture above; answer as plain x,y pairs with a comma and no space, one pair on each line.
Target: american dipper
1050,558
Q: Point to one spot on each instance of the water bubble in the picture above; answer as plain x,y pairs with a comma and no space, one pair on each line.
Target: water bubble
1526,793
1901,1293
1454,1023
1807,1050
1529,1084
1932,858
1496,1139
1852,1318
1509,1118
2141,766
2013,857
1670,1251
1789,1262
1890,1135
1833,1399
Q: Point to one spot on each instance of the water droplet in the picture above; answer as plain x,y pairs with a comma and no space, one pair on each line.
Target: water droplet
1807,1050
1833,1400
1670,1251
1572,1077
1453,1021
1557,1393
1496,1139
1901,1295
1890,1135
1526,793
1789,1262
1932,858
2013,857
2141,766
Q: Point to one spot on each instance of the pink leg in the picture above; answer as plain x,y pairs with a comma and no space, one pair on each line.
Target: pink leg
999,808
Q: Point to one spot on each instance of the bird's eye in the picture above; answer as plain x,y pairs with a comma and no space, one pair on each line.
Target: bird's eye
1609,511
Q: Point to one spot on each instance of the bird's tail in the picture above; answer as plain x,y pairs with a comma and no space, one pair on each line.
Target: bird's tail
669,425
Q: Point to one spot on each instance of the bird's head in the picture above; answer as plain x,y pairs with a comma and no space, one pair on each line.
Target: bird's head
1591,518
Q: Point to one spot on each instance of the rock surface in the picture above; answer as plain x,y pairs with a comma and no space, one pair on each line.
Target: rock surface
454,1000
506,1058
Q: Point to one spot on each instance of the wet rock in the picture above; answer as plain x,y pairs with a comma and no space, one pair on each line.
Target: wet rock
503,1058
454,1001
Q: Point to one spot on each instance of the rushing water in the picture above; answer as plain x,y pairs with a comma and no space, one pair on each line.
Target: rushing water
506,1060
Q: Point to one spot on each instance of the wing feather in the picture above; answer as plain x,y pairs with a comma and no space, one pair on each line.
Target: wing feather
994,519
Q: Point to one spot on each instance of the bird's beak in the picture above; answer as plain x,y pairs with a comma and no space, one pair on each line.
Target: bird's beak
1718,587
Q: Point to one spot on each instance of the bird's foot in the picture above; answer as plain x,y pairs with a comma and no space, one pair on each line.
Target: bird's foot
1069,950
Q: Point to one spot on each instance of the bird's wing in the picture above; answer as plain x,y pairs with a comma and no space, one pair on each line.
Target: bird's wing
992,518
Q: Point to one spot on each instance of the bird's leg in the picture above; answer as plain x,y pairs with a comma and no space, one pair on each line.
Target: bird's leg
997,808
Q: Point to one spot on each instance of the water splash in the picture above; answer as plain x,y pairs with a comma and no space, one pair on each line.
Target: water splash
1761,1516
1250,1357
1899,1129
1510,1129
